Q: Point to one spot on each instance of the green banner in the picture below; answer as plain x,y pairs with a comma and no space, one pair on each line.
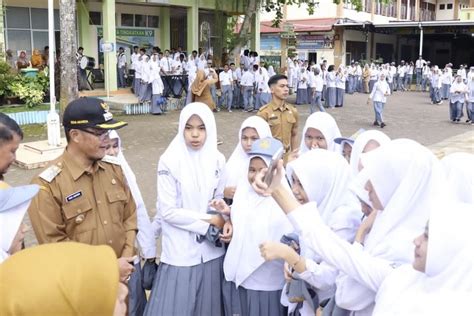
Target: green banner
129,32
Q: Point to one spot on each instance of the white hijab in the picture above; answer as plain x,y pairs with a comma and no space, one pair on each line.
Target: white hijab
408,180
146,234
325,177
14,203
238,161
326,124
271,71
359,144
255,219
194,170
459,169
445,288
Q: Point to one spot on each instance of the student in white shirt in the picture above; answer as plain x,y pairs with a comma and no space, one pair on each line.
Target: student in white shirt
157,105
189,277
236,76
319,131
401,76
254,285
145,92
331,87
316,85
247,84
462,72
252,129
147,235
301,91
409,75
226,82
435,86
341,78
338,208
166,64
378,96
263,94
374,76
121,68
137,66
403,203
457,98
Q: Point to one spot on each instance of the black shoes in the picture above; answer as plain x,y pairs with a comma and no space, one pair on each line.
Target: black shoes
376,123
382,125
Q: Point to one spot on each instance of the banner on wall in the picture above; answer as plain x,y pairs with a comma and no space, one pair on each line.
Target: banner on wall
314,42
132,36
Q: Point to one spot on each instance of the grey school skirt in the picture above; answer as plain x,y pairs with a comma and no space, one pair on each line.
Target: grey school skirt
301,96
187,291
331,97
243,302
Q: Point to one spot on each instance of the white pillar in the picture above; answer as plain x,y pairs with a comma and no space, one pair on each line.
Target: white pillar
54,134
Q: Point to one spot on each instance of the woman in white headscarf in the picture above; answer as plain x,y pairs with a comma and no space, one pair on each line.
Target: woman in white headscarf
459,169
189,277
14,202
319,131
145,87
271,71
405,182
326,183
366,141
439,281
156,86
253,286
252,128
457,97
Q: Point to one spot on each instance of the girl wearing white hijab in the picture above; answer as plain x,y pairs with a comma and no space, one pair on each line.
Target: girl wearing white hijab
254,286
327,184
405,182
365,142
271,71
156,85
460,173
189,277
439,281
252,128
457,98
145,87
319,131
14,202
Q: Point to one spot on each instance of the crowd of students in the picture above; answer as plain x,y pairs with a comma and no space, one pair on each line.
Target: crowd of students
363,226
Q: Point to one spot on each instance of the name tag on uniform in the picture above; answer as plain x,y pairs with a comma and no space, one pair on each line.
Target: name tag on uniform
273,117
73,196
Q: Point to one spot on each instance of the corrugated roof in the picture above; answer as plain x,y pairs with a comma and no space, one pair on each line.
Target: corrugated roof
308,25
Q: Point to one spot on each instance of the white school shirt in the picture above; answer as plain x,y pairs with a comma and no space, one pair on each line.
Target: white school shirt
358,70
374,74
341,81
470,75
410,70
461,88
178,67
134,60
181,226
237,74
435,81
318,83
331,79
446,78
401,71
225,78
166,63
462,73
121,60
138,69
419,63
248,79
381,87
302,80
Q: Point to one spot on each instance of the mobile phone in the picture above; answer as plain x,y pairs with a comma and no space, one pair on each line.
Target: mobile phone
273,164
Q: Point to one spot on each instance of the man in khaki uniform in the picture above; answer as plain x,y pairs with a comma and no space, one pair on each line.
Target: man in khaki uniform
281,116
83,197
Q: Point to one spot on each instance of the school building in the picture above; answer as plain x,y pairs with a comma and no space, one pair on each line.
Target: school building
382,32
190,24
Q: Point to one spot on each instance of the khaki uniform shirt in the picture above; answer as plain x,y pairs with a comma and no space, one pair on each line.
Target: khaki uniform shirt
283,122
93,208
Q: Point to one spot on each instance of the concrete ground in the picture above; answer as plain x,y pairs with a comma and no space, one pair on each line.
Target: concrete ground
407,114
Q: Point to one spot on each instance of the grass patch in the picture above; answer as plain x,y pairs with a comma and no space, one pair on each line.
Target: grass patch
23,108
34,130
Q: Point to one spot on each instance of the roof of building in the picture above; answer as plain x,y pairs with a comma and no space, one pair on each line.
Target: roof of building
308,25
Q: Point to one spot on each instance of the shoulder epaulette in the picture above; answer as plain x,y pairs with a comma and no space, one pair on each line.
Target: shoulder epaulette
50,173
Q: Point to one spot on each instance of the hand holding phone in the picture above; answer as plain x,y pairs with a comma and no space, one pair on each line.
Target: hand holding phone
273,165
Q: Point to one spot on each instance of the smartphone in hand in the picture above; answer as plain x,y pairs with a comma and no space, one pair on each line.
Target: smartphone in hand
273,164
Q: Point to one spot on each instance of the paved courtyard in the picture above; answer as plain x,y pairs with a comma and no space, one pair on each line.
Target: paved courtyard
408,115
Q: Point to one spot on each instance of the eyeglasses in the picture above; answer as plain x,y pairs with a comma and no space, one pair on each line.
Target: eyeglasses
99,133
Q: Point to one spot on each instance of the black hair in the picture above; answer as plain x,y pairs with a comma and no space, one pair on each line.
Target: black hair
46,47
8,127
181,55
135,47
120,48
246,52
167,50
330,68
66,132
274,79
143,50
80,48
255,67
232,64
194,51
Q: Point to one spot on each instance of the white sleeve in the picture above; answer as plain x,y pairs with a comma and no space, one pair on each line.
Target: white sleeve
335,251
322,275
169,205
146,236
352,295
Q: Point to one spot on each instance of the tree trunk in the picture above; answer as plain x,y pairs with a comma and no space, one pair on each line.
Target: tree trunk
2,36
67,17
251,10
